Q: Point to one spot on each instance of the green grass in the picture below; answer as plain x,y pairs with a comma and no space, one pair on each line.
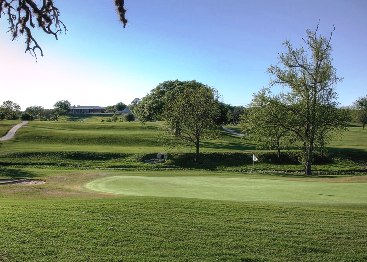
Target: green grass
235,188
166,229
95,144
93,136
179,210
6,125
354,138
99,136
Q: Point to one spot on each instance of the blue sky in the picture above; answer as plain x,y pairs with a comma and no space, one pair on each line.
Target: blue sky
226,44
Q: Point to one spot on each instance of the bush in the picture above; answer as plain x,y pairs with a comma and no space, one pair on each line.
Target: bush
129,117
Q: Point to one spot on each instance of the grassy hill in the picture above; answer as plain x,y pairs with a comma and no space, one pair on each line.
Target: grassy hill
102,202
91,143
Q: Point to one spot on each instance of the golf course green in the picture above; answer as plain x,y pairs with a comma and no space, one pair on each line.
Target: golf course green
234,188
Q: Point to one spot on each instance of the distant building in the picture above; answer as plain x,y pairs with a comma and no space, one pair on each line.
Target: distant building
125,111
76,110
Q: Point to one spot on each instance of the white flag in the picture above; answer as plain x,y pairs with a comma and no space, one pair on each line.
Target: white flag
254,158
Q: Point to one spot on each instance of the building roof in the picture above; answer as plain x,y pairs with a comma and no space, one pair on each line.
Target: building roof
87,107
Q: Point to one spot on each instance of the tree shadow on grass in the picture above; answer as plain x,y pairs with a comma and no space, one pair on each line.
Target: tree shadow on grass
228,145
211,161
352,154
12,173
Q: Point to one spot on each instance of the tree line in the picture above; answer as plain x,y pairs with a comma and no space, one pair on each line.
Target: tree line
10,110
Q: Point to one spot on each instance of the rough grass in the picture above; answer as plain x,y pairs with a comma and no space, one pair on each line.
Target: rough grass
6,125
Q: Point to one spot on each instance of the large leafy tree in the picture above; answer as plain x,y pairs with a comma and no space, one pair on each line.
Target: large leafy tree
191,111
308,106
150,107
62,107
25,15
36,112
361,106
9,110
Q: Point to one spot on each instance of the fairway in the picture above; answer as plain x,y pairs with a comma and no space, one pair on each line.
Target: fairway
234,188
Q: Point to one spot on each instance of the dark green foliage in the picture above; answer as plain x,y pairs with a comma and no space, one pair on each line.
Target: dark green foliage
62,107
120,106
9,110
361,106
26,117
150,108
129,117
115,108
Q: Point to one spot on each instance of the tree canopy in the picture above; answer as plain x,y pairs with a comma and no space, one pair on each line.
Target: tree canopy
361,106
150,107
62,107
191,111
308,107
260,126
9,110
25,15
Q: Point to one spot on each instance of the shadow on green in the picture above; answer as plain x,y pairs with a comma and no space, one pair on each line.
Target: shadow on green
6,173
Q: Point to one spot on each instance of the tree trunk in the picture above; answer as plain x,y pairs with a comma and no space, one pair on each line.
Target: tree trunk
308,161
278,149
197,146
308,170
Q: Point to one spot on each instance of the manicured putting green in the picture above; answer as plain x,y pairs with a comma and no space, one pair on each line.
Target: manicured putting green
234,189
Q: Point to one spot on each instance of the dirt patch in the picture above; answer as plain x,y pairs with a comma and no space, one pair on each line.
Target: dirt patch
21,182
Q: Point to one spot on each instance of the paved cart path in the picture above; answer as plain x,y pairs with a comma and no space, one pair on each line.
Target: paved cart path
12,131
233,132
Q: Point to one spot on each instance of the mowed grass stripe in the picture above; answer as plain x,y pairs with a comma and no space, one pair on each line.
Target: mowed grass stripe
151,229
234,189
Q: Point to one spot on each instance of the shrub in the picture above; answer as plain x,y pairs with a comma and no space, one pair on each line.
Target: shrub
129,117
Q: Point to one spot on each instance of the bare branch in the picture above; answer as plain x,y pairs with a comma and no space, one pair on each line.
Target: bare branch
24,15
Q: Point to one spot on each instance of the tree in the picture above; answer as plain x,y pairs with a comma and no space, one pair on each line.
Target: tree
62,107
260,125
133,104
120,106
150,108
115,108
309,109
9,110
235,115
110,109
225,113
361,106
24,15
36,112
190,112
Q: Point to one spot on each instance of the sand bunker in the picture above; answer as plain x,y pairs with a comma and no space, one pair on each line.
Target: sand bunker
21,182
